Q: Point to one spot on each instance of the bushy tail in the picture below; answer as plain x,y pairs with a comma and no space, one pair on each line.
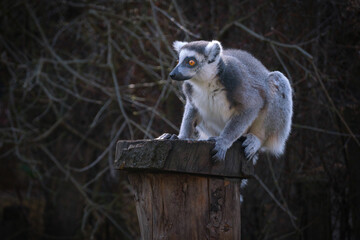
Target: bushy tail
281,109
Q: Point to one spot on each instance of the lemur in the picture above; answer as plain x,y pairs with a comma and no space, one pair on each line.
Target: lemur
230,94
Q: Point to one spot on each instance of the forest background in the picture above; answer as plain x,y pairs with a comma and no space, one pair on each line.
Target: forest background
76,76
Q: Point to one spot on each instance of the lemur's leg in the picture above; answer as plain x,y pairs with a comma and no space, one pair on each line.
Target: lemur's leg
233,130
188,121
252,145
187,124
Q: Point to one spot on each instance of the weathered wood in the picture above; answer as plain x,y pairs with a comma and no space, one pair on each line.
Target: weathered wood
180,193
184,206
180,156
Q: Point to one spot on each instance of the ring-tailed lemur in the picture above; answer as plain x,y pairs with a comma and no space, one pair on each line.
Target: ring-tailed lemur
230,94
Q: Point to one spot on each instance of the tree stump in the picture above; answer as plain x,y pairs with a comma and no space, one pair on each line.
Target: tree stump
179,192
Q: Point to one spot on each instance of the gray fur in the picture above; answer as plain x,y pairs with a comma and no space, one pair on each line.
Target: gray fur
231,94
189,119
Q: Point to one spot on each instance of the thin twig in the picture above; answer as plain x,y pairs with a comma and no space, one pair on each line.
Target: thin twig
330,132
262,184
262,38
276,183
115,81
333,104
281,62
102,155
176,23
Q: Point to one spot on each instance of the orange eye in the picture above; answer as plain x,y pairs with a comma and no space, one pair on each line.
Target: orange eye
191,62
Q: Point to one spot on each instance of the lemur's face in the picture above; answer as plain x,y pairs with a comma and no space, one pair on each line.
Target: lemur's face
197,60
190,62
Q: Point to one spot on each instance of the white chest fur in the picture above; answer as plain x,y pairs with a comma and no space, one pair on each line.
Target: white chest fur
212,104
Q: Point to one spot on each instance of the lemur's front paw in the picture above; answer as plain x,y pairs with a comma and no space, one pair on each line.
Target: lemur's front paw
218,153
168,136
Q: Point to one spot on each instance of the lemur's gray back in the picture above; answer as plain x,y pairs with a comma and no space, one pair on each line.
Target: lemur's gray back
248,60
252,64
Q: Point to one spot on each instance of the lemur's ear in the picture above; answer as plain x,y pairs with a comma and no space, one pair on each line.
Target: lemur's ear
213,50
178,45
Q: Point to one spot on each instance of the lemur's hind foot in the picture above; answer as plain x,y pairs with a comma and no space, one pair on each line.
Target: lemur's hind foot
251,146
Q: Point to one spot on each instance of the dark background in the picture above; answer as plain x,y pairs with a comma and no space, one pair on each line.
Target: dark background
76,76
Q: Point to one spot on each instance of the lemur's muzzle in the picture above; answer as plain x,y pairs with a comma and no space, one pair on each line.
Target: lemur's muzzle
176,75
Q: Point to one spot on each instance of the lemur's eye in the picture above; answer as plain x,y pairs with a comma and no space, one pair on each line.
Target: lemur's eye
191,62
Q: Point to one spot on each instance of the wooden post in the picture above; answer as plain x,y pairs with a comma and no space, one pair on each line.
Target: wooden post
179,192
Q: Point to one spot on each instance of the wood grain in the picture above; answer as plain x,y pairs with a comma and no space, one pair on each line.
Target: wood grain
184,206
180,193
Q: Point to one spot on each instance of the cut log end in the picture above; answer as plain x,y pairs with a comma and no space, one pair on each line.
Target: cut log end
181,156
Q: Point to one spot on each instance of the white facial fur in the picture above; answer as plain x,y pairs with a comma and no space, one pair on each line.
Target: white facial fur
206,71
186,71
189,53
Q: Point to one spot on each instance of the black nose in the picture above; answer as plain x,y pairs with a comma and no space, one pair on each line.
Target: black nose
172,75
177,76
